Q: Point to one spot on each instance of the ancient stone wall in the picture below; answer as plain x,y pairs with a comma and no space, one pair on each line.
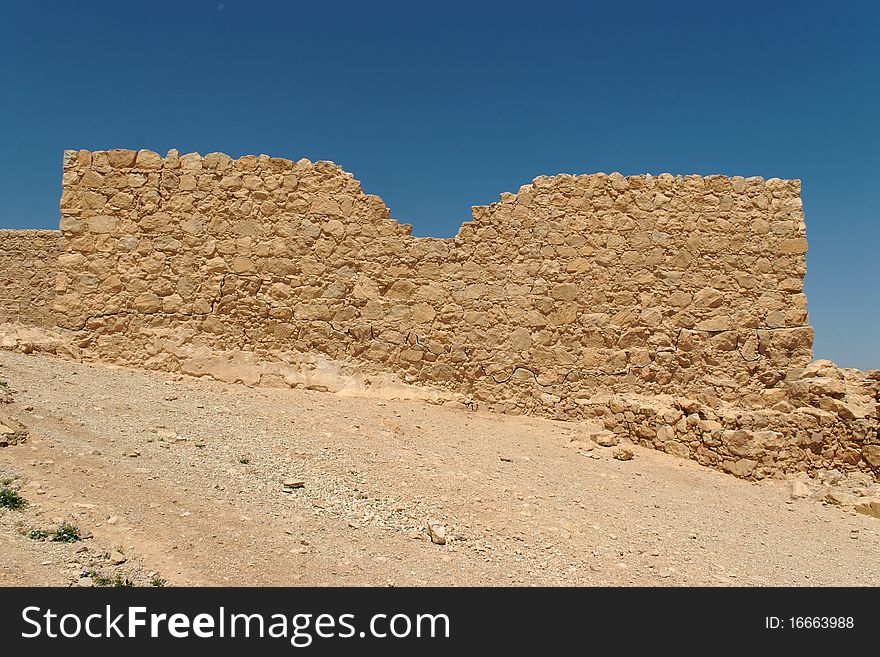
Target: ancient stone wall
28,268
575,284
663,309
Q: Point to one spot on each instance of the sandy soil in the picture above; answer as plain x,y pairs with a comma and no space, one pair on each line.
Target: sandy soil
180,479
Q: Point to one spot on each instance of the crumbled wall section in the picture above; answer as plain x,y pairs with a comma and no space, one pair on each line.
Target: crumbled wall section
664,309
576,284
28,270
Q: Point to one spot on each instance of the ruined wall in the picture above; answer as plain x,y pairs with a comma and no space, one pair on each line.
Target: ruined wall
28,268
665,309
574,284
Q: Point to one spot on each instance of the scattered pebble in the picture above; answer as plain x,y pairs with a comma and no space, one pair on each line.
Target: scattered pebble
437,532
623,454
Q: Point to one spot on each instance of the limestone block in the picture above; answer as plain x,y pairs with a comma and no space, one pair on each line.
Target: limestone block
121,158
795,246
713,324
147,302
871,454
148,160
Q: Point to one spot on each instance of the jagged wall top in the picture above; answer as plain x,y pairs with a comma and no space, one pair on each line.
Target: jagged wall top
649,190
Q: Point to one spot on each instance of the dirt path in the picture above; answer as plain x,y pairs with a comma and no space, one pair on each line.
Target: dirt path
182,477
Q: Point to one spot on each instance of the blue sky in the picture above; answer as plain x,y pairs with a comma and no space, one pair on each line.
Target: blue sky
437,107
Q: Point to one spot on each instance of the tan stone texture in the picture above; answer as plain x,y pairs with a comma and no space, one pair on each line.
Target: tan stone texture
646,283
28,268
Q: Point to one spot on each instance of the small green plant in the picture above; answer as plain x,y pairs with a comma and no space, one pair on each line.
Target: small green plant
157,581
244,460
66,533
99,579
10,499
120,581
200,445
38,534
117,581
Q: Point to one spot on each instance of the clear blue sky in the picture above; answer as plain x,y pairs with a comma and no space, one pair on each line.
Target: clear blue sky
439,106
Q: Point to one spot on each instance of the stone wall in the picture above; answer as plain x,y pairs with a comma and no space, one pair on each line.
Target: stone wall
666,309
28,268
574,284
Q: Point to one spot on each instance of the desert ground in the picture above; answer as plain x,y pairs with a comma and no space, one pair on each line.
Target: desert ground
179,481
